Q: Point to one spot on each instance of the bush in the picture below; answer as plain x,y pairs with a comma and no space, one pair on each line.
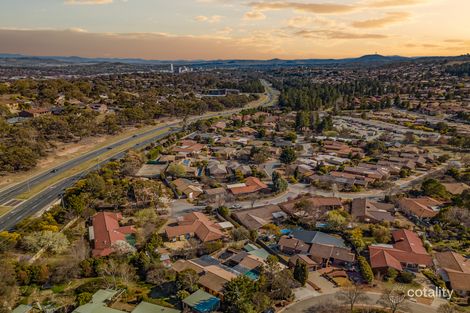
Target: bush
436,280
366,270
405,277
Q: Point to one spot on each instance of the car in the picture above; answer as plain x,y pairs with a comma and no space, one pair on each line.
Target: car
236,206
54,170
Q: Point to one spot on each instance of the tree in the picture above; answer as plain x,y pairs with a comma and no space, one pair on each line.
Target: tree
176,170
238,293
366,270
351,295
114,271
288,155
8,286
122,247
272,229
336,219
357,239
380,233
301,272
187,280
279,183
393,299
84,298
48,240
405,277
433,188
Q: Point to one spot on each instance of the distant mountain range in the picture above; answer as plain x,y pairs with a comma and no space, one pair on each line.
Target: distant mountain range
363,60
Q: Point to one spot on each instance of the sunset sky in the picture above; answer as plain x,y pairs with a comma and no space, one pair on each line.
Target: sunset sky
234,29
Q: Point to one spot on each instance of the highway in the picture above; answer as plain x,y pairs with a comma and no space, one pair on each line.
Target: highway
53,193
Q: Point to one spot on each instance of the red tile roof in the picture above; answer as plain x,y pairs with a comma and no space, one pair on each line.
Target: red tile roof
252,184
106,232
195,223
407,248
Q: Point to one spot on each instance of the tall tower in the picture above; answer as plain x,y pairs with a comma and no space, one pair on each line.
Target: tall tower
172,68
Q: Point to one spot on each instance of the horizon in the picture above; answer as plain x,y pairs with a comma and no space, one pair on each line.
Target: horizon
12,55
234,29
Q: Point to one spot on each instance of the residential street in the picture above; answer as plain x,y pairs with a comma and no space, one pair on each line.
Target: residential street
304,305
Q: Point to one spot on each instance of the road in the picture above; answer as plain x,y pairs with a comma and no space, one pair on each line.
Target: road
303,306
53,193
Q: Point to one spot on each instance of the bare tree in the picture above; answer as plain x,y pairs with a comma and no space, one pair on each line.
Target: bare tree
393,299
113,271
351,295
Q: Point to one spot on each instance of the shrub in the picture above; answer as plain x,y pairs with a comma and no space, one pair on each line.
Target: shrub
405,277
436,280
366,270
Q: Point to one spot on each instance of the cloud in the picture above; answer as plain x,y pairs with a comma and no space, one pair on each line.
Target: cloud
335,34
318,8
389,18
254,15
88,2
208,19
393,3
130,45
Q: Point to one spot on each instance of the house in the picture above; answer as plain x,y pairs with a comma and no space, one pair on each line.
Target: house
215,195
454,268
106,231
256,218
189,147
145,307
407,252
302,258
216,169
368,211
186,187
194,224
247,130
456,188
226,152
322,248
35,112
311,206
292,246
22,308
201,302
99,302
251,185
422,208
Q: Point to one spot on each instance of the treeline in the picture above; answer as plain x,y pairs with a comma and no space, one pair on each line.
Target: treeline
22,145
301,94
248,86
459,69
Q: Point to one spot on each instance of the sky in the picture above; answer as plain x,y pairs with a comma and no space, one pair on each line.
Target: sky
234,29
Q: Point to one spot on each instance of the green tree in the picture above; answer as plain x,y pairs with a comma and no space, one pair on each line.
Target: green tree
176,170
279,183
301,272
288,155
365,268
238,294
433,188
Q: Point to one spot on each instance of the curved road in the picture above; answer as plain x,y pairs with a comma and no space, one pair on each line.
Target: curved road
53,193
305,305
